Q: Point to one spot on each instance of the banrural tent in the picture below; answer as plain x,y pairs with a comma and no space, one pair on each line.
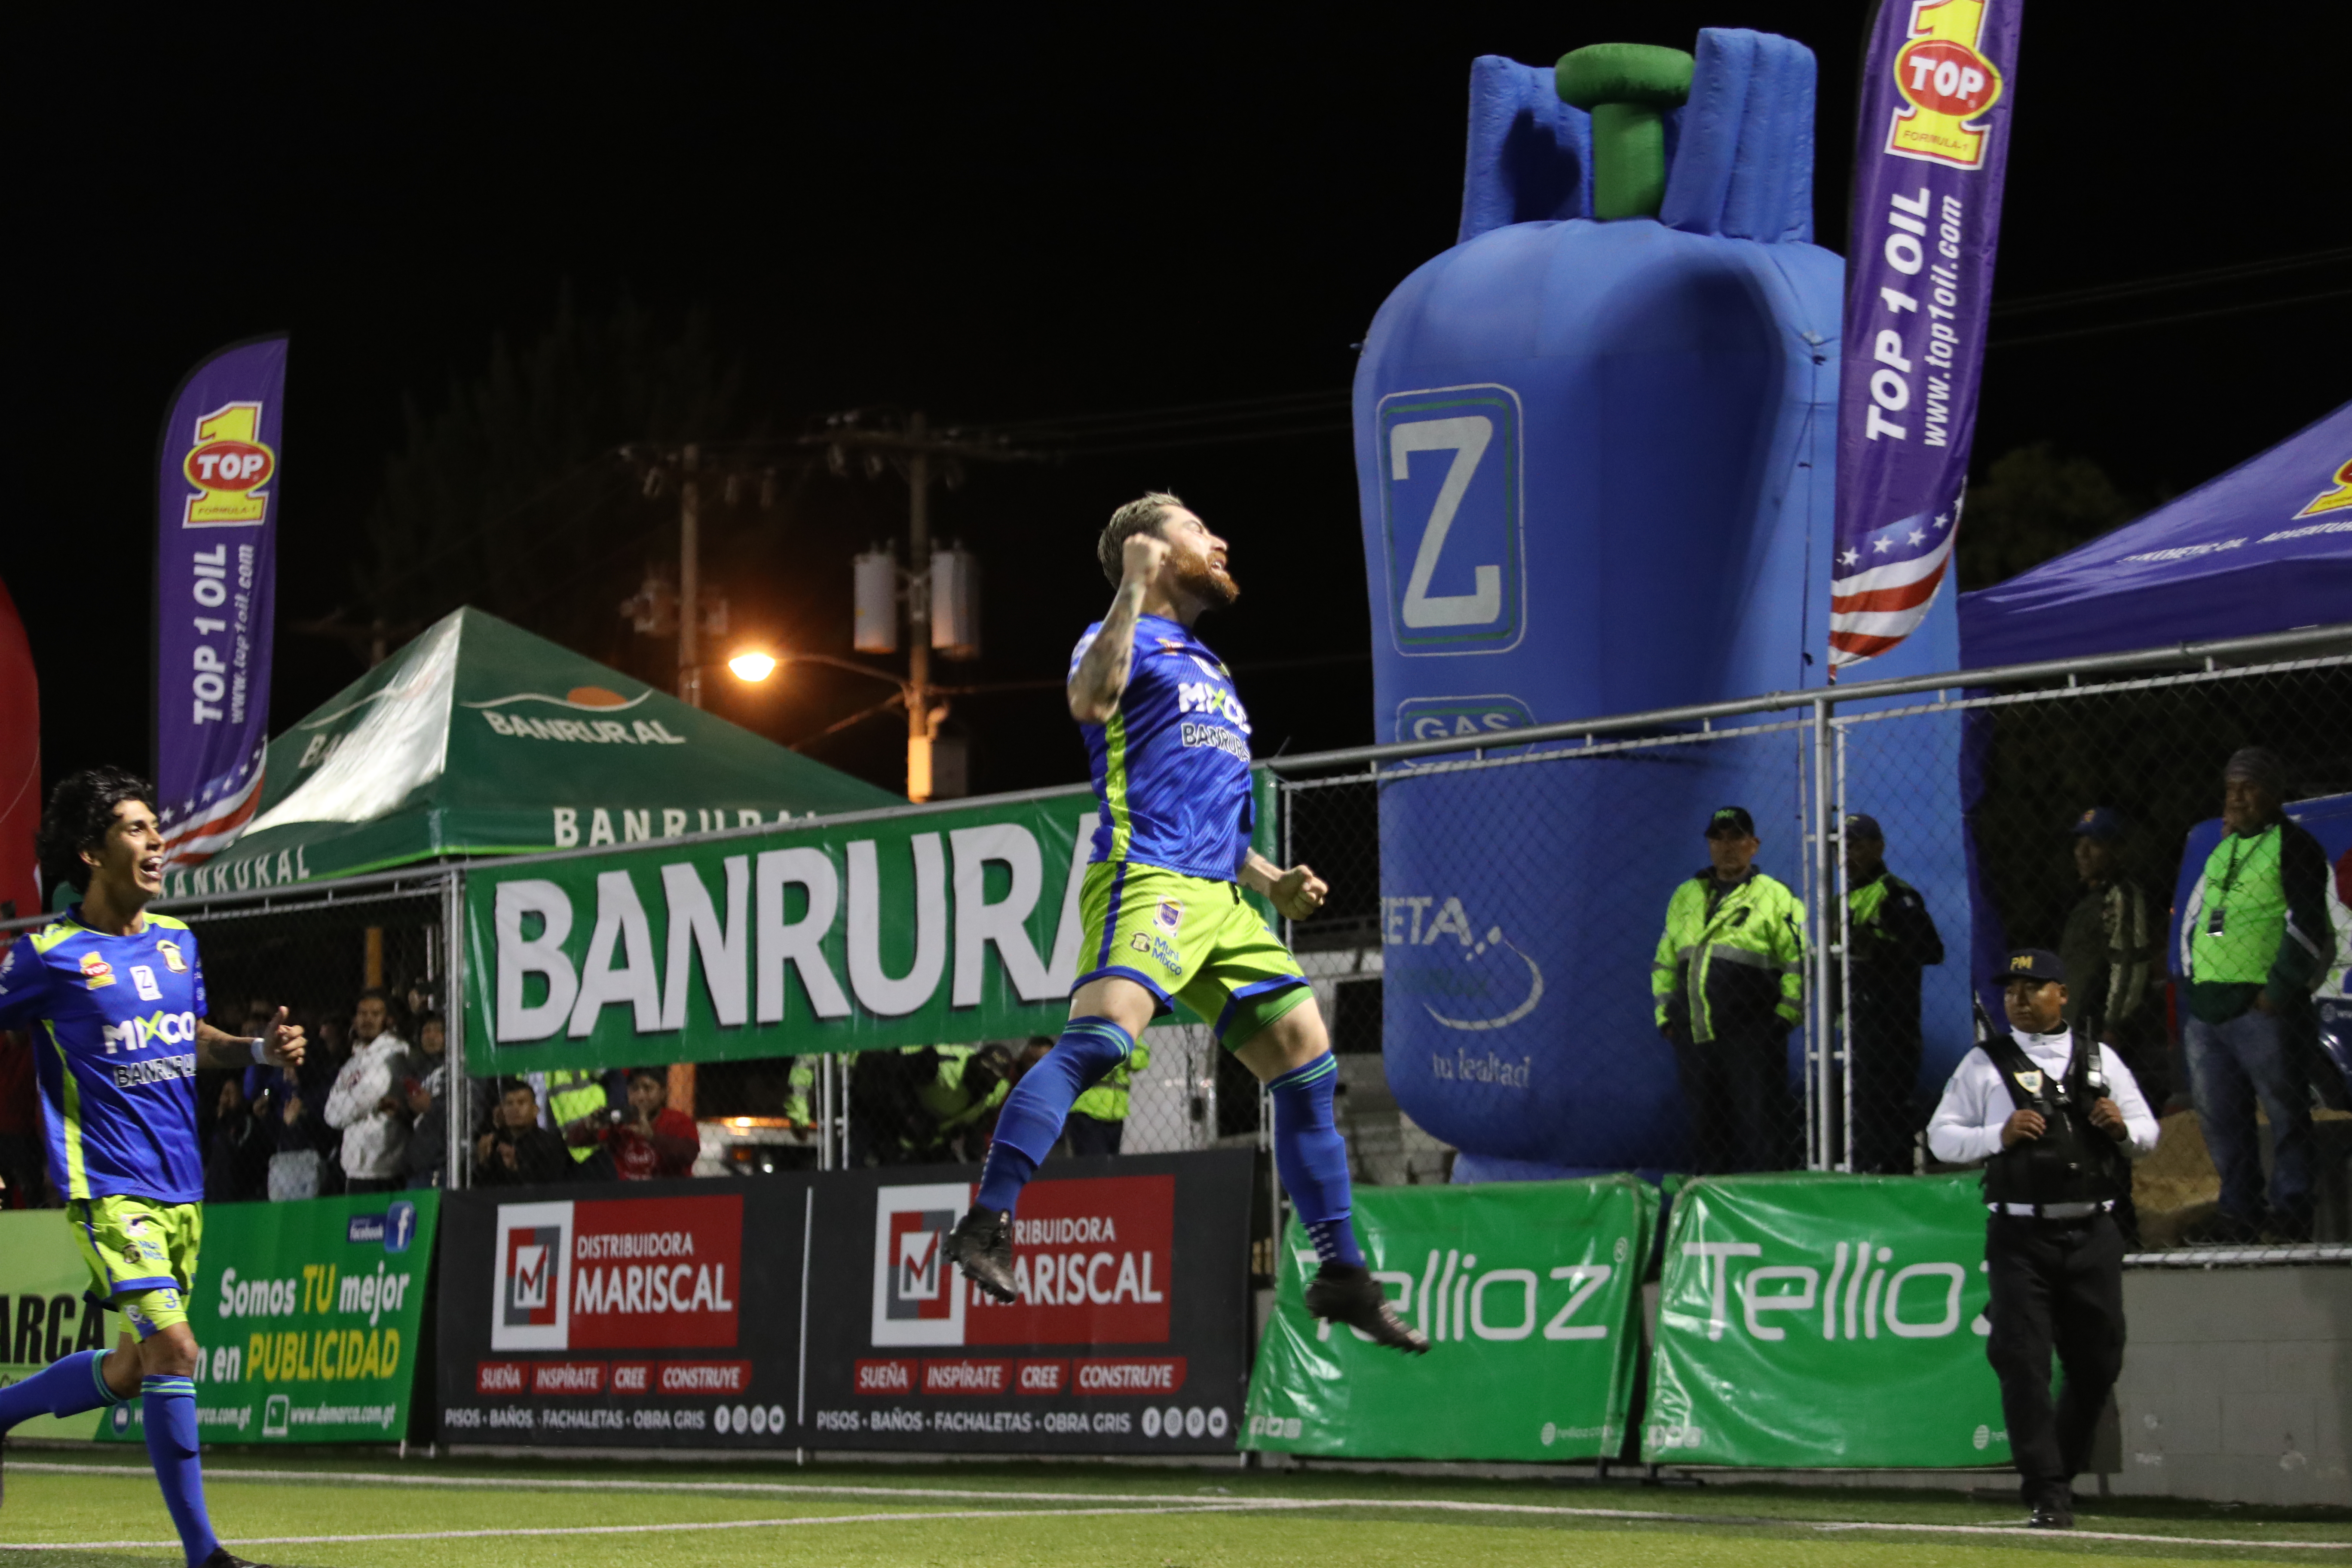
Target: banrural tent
2266,547
479,738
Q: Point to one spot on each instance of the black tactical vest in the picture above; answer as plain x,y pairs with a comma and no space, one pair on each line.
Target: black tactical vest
2072,1161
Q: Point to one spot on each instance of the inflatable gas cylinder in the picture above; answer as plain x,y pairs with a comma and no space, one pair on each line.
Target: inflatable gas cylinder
1594,447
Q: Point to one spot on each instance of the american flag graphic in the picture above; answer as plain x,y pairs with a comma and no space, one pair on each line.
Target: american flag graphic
1884,580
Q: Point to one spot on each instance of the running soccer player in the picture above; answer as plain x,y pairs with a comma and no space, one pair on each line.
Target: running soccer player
115,1000
1163,914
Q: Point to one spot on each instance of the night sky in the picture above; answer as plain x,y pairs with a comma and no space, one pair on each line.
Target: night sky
993,219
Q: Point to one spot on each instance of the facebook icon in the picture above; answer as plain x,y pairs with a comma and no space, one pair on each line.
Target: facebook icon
399,1226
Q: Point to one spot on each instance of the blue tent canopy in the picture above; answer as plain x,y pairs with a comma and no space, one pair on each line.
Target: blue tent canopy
2264,547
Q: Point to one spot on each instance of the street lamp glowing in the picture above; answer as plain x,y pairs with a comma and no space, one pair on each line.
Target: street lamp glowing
752,666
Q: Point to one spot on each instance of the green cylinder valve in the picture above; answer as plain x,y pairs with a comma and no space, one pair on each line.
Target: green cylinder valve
1627,88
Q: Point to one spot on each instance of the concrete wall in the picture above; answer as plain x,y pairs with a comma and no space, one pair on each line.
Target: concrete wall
2236,1386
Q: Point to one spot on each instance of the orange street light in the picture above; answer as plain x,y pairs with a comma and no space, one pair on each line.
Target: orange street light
753,666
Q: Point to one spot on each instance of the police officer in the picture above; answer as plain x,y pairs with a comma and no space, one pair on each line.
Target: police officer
1890,938
2057,1120
1728,984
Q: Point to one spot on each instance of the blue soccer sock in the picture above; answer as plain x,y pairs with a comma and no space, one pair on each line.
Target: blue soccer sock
1034,1113
65,1387
1312,1158
168,1408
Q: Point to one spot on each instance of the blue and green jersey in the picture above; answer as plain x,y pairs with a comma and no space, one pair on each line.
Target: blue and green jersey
113,1021
1171,767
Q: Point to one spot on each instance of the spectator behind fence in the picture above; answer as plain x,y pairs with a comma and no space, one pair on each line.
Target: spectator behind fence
1891,938
363,1105
2256,939
306,1162
1729,984
237,1160
576,1099
1097,1119
518,1152
2112,949
649,1139
424,1092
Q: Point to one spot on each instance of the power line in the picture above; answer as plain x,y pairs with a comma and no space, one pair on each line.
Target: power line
2166,320
2171,281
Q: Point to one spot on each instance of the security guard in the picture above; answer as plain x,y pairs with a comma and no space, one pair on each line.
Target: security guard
1891,937
1099,1117
576,1098
1728,983
2057,1120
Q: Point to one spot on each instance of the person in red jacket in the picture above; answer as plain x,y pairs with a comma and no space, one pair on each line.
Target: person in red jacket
652,1140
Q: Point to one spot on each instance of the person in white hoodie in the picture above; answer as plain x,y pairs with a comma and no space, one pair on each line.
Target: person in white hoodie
366,1106
2057,1118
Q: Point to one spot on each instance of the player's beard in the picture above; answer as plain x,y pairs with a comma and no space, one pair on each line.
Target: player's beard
1213,587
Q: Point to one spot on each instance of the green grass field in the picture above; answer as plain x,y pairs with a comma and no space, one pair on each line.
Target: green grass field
78,1510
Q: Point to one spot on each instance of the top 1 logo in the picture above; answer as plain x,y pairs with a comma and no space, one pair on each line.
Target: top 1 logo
229,465
1946,83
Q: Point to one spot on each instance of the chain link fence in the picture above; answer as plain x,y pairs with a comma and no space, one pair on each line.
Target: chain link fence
1923,832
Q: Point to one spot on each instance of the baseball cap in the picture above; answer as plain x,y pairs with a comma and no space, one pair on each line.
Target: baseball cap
2032,963
1860,826
1731,818
2099,821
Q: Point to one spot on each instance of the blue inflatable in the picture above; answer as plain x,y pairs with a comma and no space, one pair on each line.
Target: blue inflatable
1595,458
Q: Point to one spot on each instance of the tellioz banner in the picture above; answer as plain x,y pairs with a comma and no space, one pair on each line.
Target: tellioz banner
1932,140
216,489
910,928
1129,1335
1528,1292
643,1314
308,1319
1824,1322
43,1316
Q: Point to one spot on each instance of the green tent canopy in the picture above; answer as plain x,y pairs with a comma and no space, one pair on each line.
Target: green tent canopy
479,738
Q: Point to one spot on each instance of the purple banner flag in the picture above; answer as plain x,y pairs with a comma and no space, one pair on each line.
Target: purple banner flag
215,594
1930,145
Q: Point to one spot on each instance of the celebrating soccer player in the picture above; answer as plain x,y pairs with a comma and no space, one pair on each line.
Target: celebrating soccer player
1163,912
115,998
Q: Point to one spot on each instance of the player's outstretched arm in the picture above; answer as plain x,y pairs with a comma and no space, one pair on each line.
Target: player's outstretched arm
1296,893
1100,680
281,1046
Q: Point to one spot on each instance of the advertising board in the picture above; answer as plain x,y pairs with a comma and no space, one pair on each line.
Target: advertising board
1129,1335
625,1314
43,1317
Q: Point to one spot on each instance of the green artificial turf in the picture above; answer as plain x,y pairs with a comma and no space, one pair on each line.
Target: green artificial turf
1082,1516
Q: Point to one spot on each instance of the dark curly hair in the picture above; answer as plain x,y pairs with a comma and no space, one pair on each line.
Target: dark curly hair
81,810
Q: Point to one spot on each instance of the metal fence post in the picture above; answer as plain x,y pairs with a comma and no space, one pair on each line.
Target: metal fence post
456,1089
1820,1013
1842,1024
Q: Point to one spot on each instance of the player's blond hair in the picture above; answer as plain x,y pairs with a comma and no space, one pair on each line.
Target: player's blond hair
1142,515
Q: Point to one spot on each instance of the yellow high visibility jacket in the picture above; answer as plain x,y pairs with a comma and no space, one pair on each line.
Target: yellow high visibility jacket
1730,965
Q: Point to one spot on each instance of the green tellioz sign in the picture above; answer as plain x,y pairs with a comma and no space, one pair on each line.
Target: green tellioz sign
308,1319
898,928
1824,1322
1528,1292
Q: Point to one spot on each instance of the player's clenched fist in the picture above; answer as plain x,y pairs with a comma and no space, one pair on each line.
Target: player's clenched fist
1141,557
1299,892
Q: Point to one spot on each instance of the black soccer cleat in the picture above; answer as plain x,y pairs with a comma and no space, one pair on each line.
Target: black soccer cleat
2050,1516
981,1246
223,1557
1350,1295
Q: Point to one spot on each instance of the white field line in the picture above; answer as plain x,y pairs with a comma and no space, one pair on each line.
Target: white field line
1168,1505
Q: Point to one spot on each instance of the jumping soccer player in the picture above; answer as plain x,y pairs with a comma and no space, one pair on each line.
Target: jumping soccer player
1163,914
115,999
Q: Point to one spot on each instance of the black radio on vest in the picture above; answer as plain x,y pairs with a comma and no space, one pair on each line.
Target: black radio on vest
2072,1161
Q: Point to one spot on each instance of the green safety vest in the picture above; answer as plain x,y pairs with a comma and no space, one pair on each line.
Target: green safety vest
1107,1100
1759,925
2243,884
571,1095
799,1086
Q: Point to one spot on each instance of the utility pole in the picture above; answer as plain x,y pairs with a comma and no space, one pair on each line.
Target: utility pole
689,582
919,722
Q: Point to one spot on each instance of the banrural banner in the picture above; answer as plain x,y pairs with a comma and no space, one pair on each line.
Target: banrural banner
308,1319
216,486
1527,1291
43,1317
1939,89
1811,1322
910,928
